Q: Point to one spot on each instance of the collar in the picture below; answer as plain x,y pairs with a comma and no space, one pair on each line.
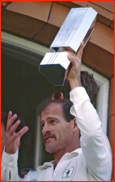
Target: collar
66,156
46,165
72,154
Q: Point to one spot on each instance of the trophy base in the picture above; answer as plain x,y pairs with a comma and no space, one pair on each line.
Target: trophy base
54,73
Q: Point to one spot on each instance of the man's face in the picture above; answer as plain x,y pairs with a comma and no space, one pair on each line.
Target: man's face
57,132
3,140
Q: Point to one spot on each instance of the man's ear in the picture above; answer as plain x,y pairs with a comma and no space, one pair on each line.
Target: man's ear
61,95
53,98
75,126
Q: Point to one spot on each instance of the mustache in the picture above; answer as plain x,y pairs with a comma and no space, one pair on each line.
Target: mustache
48,135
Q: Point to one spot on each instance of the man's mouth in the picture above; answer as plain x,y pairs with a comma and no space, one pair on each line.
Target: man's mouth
49,138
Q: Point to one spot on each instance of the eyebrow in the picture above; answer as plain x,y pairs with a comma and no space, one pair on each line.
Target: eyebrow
48,119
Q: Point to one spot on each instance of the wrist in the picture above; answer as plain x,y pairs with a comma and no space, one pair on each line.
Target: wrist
10,151
74,84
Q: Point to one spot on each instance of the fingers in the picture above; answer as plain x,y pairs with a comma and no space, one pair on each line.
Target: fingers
80,51
13,138
10,120
9,115
22,131
71,58
76,57
18,135
14,126
11,128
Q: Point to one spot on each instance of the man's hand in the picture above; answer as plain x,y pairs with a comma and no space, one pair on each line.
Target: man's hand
13,138
74,72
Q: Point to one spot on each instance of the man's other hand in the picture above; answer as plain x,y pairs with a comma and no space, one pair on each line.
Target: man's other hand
13,138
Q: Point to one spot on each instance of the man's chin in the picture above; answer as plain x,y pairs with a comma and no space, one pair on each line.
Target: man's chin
50,147
50,151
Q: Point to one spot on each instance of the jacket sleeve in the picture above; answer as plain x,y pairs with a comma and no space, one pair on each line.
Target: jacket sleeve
9,167
93,141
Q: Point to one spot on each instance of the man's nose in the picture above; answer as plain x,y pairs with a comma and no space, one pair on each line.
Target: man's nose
45,129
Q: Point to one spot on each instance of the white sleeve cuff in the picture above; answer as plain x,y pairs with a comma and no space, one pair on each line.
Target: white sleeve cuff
78,94
10,159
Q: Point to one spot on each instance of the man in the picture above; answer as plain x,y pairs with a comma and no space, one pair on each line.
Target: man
61,123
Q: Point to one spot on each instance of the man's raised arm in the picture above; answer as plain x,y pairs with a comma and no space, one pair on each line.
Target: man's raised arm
94,143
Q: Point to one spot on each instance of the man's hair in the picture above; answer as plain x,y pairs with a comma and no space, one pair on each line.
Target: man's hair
90,85
87,82
66,104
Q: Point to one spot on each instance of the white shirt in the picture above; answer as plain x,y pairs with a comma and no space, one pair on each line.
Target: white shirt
91,162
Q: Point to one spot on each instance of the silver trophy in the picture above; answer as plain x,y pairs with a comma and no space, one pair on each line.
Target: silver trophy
77,27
